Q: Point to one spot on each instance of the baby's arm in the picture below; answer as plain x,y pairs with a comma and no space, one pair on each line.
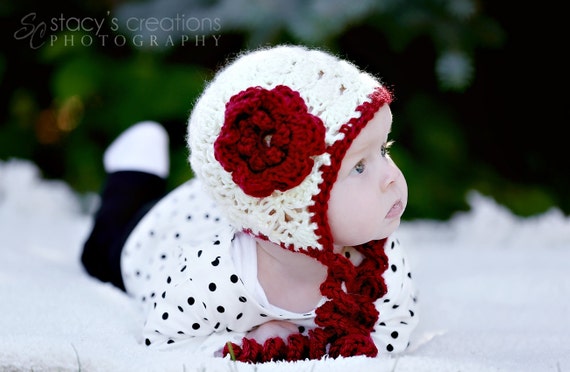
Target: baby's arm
182,309
398,309
174,317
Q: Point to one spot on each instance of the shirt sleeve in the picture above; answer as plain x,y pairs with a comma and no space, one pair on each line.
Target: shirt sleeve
398,307
191,305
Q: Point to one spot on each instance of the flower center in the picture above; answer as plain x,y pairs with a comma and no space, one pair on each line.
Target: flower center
267,140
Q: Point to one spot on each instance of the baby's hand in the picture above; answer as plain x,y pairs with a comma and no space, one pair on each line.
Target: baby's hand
273,328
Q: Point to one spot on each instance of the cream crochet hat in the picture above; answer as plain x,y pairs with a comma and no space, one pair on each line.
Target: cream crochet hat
268,134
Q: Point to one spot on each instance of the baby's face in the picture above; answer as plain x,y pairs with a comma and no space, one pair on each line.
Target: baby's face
370,193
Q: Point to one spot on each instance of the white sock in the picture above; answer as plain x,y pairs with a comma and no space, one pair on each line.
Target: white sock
143,147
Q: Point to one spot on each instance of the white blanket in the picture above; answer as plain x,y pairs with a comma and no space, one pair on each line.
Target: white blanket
494,291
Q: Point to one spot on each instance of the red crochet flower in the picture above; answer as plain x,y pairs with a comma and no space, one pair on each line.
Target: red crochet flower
268,140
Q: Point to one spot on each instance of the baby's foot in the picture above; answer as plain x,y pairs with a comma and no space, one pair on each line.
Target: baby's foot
143,147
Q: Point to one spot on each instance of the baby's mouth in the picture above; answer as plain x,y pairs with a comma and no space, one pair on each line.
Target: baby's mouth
396,210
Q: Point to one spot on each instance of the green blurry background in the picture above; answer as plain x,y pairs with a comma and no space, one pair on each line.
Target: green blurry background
474,110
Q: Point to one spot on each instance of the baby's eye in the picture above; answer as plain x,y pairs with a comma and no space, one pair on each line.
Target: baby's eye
359,167
385,148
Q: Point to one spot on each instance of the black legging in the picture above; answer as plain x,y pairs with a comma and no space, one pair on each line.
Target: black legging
126,197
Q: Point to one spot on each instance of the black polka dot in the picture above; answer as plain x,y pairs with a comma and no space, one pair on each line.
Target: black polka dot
206,216
395,306
189,217
220,309
196,326
217,242
164,316
411,313
151,233
263,315
301,329
163,295
191,301
392,245
394,268
394,334
147,342
239,316
170,342
386,300
177,235
168,280
390,348
347,254
180,332
234,278
212,287
217,325
181,309
163,256
242,299
183,268
199,253
410,275
216,262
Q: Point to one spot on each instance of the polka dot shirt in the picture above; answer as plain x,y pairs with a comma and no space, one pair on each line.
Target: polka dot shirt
191,272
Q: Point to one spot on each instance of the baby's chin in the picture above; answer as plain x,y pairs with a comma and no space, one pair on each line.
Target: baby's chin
388,229
385,234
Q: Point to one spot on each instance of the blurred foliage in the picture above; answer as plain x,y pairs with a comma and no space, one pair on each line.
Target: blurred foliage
64,102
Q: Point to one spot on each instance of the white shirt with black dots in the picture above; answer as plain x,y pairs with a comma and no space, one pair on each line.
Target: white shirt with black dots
196,279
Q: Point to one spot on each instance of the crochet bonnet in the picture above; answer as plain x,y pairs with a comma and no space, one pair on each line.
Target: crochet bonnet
267,138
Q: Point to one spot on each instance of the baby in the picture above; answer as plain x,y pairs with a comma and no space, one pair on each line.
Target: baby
281,247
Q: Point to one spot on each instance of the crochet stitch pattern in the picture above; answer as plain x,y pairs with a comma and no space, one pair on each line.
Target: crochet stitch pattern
268,140
332,89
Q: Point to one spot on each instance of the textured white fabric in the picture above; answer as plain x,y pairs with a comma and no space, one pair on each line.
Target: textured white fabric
332,90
